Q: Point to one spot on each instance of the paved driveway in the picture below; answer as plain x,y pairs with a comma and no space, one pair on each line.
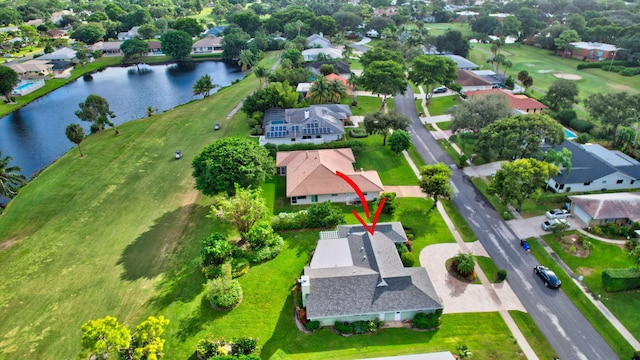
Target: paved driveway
531,227
458,296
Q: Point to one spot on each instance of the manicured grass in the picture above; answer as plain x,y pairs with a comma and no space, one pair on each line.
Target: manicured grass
489,268
439,105
546,201
354,64
595,317
541,64
497,204
479,58
446,146
366,104
393,170
459,222
416,157
445,125
436,29
80,247
534,336
604,256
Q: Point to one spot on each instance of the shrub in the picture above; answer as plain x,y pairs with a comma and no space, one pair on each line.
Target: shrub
407,259
389,203
215,249
211,271
343,327
239,267
621,279
244,346
355,145
360,327
581,125
402,248
289,221
426,321
313,325
324,215
630,72
565,116
264,243
501,274
358,133
207,348
509,82
224,292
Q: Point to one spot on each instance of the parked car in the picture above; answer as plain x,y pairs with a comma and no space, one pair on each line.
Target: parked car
216,126
547,276
552,223
440,90
558,214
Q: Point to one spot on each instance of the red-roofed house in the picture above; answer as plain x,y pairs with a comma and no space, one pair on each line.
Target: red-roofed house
522,103
311,176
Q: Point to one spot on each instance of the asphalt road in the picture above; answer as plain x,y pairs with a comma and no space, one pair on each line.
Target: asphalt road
570,334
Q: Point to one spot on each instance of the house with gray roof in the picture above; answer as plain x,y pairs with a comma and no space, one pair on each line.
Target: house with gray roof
463,64
600,209
318,41
595,168
316,124
62,54
354,275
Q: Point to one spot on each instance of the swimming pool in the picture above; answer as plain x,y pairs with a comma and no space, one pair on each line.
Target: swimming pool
570,135
27,87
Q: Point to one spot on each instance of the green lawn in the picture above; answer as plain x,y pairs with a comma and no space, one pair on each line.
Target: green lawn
439,105
436,29
366,104
497,204
459,221
534,336
604,256
595,317
488,267
445,125
393,170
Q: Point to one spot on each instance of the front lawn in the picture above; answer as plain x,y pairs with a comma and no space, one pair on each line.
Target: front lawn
459,221
366,104
393,170
495,201
440,105
489,268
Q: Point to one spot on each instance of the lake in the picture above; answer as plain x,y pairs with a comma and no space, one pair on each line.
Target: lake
34,136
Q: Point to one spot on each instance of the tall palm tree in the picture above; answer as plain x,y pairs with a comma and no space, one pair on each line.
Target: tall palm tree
261,73
338,90
75,134
246,60
10,178
320,92
203,86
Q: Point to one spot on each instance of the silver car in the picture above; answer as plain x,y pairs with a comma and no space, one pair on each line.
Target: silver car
558,214
550,224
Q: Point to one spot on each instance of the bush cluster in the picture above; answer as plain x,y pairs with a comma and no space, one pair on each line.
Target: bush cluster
358,133
289,221
313,325
207,348
501,274
343,327
407,259
621,279
357,327
264,243
427,321
244,346
581,125
389,203
615,230
630,71
224,292
599,65
323,215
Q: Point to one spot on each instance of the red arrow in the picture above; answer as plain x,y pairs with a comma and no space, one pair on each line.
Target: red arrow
363,200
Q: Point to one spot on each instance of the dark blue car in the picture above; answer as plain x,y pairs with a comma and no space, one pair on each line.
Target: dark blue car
547,276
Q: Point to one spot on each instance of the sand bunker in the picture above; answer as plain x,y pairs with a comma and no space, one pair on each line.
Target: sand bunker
567,76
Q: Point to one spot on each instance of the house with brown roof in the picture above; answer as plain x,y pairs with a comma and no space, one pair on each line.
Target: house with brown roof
32,69
311,176
107,47
354,276
207,45
520,102
470,81
600,209
55,34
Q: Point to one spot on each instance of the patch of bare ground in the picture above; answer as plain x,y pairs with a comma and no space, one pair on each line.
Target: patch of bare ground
8,243
572,244
585,271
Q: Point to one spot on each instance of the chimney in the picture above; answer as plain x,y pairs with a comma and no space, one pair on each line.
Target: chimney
305,287
306,114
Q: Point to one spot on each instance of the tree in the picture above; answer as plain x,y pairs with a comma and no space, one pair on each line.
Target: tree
324,91
464,263
234,41
434,181
453,42
380,23
89,33
75,134
485,25
134,48
273,95
559,158
203,85
347,20
147,31
432,71
224,291
248,21
562,94
480,111
215,249
8,80
230,161
521,179
96,110
497,60
243,210
104,337
188,25
614,109
176,43
246,60
325,25
381,123
146,342
399,141
510,25
294,55
565,39
384,78
261,73
10,178
525,79
326,69
518,137
9,16
380,54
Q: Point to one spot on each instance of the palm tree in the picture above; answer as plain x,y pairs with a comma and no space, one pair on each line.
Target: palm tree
507,65
261,72
203,86
464,263
347,52
320,91
10,178
246,60
338,90
75,134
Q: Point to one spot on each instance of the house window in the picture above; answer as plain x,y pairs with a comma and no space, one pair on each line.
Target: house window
314,198
632,181
293,139
306,137
604,181
334,194
294,200
318,136
556,186
561,186
364,193
283,170
619,182
587,183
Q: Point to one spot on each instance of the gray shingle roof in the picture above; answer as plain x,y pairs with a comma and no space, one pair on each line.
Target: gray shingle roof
314,120
374,282
587,167
610,206
462,62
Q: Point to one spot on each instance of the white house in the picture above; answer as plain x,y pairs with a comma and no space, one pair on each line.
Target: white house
311,176
595,168
316,124
318,41
207,45
128,35
373,33
354,276
312,54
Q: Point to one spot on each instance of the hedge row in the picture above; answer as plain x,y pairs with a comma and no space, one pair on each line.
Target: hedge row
621,279
602,64
355,145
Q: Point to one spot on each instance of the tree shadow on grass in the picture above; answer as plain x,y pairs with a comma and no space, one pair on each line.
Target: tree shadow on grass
192,324
289,340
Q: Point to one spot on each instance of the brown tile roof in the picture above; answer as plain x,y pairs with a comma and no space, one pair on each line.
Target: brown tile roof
520,102
610,206
344,81
469,78
313,172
